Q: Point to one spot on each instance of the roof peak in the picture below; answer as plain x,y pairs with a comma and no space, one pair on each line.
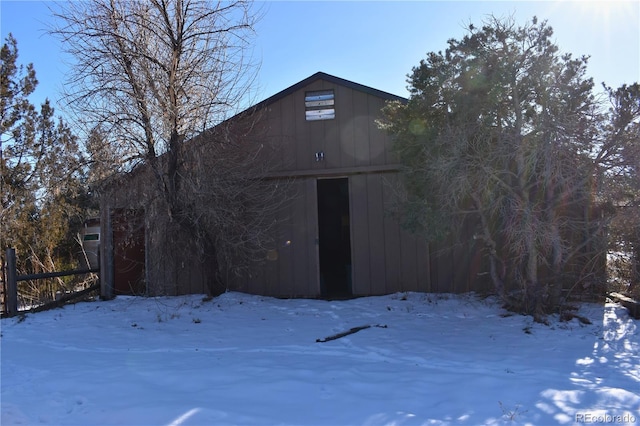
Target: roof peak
321,75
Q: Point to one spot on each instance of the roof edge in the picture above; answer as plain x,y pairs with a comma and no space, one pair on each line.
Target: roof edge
332,79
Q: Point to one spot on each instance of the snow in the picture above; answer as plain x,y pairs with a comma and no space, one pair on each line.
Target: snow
249,360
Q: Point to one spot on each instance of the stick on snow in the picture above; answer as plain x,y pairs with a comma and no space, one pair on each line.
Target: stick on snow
348,332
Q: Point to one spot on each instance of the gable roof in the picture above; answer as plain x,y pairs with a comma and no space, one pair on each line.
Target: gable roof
331,79
307,81
139,168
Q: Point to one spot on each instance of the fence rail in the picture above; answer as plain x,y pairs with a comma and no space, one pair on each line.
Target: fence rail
12,279
56,274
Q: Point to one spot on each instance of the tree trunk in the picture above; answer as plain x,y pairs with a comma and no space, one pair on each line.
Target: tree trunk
497,272
214,281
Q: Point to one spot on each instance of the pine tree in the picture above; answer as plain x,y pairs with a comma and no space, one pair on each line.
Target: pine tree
499,129
44,197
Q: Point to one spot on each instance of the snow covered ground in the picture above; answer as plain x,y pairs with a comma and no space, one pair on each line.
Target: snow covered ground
241,359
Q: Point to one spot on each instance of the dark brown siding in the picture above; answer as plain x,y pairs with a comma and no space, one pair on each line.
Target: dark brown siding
350,140
290,267
343,130
377,243
384,257
360,243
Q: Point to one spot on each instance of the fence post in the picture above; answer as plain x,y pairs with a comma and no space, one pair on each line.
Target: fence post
12,283
106,254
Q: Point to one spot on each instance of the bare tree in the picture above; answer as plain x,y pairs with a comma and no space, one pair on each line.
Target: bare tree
155,74
233,203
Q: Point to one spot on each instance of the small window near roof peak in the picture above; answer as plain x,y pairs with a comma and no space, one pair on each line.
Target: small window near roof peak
319,105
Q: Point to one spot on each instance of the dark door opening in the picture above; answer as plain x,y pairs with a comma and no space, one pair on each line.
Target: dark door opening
334,237
129,252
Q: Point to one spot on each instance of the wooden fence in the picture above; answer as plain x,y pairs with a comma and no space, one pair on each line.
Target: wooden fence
10,286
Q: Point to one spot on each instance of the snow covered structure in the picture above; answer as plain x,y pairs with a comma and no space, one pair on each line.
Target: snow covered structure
335,238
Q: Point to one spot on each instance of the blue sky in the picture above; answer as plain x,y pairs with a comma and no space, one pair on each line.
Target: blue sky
373,43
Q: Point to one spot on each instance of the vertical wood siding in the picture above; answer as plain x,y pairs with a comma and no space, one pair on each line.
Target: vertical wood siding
385,258
352,139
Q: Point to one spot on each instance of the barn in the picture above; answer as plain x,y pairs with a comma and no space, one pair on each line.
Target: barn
335,238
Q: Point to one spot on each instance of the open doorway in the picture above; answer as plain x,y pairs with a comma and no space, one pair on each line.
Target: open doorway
334,237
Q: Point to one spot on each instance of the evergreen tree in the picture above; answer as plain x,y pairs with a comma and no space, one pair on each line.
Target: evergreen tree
500,130
43,192
619,184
